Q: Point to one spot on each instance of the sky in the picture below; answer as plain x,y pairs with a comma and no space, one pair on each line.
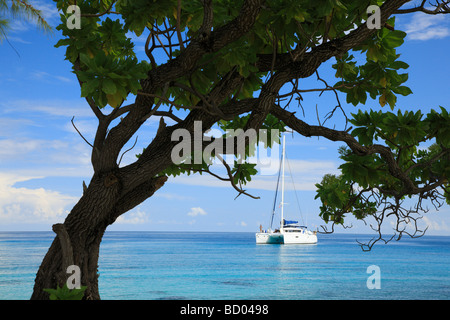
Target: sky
43,160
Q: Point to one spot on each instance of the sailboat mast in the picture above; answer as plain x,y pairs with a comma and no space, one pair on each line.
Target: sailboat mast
282,181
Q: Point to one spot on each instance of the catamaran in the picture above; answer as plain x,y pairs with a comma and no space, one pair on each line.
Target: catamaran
290,231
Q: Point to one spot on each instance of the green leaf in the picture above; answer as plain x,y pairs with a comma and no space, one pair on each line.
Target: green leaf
394,38
65,293
89,87
109,87
84,58
399,65
403,90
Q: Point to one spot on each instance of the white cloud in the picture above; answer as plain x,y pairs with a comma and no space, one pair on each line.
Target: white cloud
53,107
47,77
18,39
63,154
431,33
17,25
172,196
30,205
13,127
433,225
10,148
88,128
196,211
426,27
136,217
84,172
57,153
48,9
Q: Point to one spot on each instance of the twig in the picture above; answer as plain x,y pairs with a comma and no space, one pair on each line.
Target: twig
7,40
227,167
180,39
441,8
120,160
80,132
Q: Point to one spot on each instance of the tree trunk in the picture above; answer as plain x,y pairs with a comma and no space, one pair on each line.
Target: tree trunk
78,240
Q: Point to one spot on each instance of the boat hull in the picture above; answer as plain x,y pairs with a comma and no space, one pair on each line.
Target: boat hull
299,238
286,238
269,238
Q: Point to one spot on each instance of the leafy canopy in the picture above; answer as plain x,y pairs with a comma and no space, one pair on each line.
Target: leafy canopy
384,158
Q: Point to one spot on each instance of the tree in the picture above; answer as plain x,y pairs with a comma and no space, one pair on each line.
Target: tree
19,9
225,63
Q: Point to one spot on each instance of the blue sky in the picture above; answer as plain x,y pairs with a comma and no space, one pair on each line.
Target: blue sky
43,161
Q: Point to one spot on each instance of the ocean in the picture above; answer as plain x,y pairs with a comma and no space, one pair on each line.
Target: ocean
230,266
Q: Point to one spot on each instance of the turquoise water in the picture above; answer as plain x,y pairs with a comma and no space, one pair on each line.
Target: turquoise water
230,266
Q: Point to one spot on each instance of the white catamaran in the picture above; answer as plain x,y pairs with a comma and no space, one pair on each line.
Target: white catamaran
290,232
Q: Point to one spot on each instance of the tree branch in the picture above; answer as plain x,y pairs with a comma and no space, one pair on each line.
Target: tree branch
66,245
134,197
172,70
231,179
409,188
440,8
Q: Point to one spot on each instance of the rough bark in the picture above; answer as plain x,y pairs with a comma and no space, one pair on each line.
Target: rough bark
78,239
